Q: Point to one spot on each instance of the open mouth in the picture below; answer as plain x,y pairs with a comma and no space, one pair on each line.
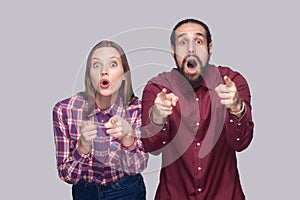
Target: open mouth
104,83
191,63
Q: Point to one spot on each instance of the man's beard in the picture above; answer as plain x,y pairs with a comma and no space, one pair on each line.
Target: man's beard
194,81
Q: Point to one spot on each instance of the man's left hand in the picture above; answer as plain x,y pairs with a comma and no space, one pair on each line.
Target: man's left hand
229,95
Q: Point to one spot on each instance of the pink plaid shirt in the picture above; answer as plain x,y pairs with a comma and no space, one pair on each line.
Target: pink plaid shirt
108,160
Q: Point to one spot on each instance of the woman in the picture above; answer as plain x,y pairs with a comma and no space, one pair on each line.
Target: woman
97,132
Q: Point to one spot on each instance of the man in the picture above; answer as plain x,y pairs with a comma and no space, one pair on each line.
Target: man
198,116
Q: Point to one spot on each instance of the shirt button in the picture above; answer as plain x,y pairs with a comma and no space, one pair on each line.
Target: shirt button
197,124
102,120
237,139
164,142
199,168
239,124
197,99
164,129
230,120
198,144
199,189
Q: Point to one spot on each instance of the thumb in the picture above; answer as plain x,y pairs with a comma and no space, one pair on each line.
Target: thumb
174,101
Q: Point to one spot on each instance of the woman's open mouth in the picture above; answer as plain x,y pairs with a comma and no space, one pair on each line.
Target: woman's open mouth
104,83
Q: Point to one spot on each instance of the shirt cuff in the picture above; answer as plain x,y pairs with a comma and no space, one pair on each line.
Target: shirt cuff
81,157
131,148
235,128
157,137
235,122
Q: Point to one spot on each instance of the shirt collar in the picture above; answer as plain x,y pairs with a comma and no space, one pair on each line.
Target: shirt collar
117,108
180,82
210,79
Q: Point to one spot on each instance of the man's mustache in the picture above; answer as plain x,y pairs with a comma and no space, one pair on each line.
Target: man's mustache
193,56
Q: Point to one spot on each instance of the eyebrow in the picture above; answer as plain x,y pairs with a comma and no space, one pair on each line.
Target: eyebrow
114,57
96,58
183,34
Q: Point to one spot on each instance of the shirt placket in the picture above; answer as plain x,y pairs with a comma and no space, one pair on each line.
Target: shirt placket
197,167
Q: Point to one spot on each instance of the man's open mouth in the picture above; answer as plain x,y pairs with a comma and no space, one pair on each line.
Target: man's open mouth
192,63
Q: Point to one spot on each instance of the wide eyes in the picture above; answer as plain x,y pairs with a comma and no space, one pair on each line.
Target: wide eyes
185,42
113,64
96,65
182,42
198,42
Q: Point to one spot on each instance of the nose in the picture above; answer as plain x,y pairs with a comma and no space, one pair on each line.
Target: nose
191,49
104,71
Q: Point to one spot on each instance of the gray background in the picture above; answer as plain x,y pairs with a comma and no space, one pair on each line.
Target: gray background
44,46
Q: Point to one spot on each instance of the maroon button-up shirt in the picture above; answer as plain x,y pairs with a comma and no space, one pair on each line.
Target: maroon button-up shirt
199,140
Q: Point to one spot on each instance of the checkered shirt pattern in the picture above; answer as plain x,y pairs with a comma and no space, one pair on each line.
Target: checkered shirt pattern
108,160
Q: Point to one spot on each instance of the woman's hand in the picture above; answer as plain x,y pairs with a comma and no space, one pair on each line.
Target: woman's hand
88,132
120,128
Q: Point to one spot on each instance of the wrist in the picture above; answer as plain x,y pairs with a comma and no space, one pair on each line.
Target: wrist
239,111
156,119
82,148
127,141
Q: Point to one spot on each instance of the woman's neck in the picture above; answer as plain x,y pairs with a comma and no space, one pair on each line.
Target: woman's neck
104,102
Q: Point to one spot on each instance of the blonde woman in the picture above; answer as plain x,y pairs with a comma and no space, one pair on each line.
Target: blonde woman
97,132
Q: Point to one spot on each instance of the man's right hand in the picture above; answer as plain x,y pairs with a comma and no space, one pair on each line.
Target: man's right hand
163,105
88,132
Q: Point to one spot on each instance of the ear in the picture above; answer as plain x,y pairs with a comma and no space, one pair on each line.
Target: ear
173,51
210,50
